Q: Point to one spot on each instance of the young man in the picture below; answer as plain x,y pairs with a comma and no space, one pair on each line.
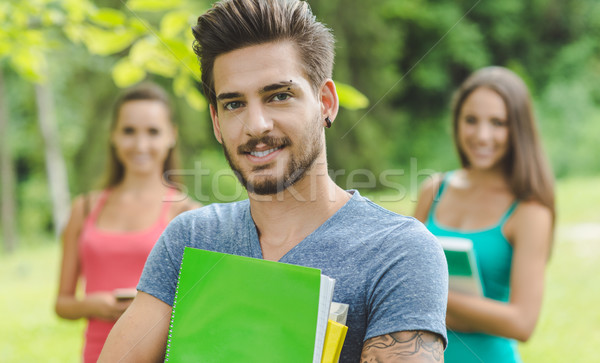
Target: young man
266,69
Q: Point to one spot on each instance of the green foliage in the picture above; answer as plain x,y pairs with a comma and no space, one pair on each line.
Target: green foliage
404,57
351,97
408,57
22,45
144,49
160,47
104,42
152,5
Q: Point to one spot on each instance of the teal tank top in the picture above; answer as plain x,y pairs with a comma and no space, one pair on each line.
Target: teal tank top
494,256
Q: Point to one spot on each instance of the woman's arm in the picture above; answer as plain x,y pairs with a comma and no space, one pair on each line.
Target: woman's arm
100,305
531,233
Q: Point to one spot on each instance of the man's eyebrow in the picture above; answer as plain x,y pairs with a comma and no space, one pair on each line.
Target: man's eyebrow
228,95
276,86
265,89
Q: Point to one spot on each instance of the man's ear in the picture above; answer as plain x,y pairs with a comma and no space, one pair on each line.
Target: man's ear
329,100
215,123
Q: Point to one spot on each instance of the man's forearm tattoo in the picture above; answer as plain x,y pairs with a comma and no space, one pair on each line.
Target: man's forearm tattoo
405,344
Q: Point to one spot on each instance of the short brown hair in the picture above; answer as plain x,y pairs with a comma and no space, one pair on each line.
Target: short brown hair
235,24
146,91
526,168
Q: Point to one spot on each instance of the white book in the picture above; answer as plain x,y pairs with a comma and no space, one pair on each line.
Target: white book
463,272
325,297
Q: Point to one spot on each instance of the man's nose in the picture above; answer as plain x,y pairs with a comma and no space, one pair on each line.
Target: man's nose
257,122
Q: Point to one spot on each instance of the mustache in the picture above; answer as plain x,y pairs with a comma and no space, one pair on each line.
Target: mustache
270,141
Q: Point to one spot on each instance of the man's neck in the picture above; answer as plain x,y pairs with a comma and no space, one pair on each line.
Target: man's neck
283,220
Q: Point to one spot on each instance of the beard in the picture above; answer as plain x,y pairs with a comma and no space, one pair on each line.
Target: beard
297,167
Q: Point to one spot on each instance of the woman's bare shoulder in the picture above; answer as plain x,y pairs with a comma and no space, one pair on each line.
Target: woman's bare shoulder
531,211
428,191
182,202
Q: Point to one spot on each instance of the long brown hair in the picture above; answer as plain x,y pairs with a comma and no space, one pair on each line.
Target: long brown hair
526,168
233,24
115,171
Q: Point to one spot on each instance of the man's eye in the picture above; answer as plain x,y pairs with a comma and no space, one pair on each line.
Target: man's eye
230,106
281,97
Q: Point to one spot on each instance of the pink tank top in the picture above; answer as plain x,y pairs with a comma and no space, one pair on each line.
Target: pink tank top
112,260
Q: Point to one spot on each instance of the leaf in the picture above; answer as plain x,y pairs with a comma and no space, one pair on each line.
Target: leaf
185,56
29,63
142,50
108,17
350,97
163,66
5,48
19,18
126,74
152,5
104,42
53,17
177,48
181,84
77,10
138,25
195,99
74,32
4,11
155,57
173,23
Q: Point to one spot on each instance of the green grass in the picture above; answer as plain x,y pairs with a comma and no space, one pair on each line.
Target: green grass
578,200
567,328
31,331
568,325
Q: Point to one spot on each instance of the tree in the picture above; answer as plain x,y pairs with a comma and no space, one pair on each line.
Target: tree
55,162
7,196
25,41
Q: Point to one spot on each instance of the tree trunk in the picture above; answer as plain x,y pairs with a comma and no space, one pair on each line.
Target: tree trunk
7,180
55,163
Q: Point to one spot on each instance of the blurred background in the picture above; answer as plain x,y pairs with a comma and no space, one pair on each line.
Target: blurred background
63,62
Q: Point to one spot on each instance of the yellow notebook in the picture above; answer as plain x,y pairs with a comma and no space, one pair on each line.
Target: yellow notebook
334,340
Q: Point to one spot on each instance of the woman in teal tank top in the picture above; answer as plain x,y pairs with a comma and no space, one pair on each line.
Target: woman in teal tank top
502,199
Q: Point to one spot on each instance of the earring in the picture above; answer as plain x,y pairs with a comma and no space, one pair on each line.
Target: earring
328,122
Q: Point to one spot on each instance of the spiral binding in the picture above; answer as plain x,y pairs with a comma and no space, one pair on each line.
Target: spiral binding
173,311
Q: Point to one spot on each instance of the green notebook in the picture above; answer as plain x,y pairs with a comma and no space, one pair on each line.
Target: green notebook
231,308
462,266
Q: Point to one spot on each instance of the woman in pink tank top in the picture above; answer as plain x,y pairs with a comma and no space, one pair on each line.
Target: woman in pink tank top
111,232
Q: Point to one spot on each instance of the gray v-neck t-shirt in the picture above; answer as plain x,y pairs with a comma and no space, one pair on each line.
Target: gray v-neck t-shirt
388,268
